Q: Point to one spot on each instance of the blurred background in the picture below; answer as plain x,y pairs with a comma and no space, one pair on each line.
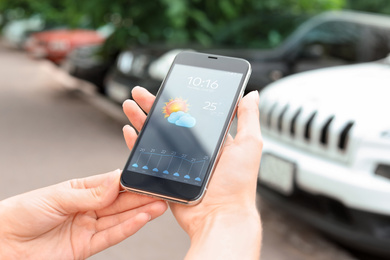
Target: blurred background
66,67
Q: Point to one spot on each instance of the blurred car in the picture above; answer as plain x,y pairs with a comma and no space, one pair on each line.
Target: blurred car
329,39
88,63
326,154
144,67
16,32
56,44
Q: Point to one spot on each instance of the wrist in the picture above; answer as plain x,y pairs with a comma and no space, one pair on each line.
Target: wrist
227,234
226,217
212,214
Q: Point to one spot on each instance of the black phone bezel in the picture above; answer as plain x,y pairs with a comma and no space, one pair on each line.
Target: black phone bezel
174,189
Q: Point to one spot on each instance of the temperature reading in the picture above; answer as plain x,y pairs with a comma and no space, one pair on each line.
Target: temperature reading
210,106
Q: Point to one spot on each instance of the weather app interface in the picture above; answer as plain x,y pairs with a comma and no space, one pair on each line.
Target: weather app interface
186,124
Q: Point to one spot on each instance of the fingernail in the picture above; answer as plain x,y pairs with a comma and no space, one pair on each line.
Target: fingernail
134,88
126,126
254,95
149,216
127,100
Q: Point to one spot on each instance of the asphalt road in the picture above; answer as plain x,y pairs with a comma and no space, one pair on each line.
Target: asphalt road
49,134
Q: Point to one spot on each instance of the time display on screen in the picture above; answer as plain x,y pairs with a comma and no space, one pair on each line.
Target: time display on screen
202,83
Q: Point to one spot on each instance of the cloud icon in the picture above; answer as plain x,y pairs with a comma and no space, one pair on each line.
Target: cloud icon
173,117
182,119
186,121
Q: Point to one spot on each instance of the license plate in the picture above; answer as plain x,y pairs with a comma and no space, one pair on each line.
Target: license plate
118,92
277,173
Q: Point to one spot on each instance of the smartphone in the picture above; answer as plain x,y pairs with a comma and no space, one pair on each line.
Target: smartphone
177,149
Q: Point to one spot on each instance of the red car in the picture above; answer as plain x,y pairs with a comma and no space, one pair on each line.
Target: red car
56,44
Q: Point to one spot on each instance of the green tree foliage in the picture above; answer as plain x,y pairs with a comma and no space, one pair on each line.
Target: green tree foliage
373,6
249,23
243,23
63,12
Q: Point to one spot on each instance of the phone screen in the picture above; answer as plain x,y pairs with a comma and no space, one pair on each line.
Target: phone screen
183,131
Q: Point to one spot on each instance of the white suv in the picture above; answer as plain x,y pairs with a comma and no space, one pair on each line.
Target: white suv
326,156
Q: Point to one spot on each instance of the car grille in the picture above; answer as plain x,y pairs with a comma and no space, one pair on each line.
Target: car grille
308,127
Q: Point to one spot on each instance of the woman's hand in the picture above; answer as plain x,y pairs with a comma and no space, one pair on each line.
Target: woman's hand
73,219
228,209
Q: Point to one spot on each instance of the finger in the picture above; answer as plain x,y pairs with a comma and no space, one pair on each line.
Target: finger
93,181
154,209
229,140
118,233
143,98
130,136
125,201
248,126
77,195
134,113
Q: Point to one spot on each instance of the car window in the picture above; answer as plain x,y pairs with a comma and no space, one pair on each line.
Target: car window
376,45
333,40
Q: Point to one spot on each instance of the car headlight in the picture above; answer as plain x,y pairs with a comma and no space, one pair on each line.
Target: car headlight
125,62
383,170
141,61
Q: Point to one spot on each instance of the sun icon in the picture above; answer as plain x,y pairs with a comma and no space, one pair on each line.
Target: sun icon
175,105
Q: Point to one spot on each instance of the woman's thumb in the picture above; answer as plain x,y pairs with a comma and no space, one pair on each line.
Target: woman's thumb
92,193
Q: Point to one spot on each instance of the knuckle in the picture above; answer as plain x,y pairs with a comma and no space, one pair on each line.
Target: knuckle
97,194
74,183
